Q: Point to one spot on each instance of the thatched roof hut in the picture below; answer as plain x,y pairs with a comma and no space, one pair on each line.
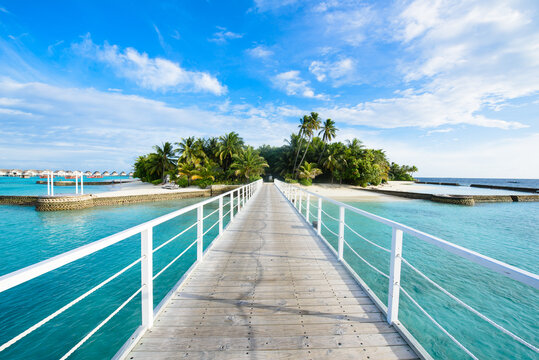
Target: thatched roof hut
87,173
131,174
69,173
29,173
114,173
106,173
123,173
60,173
4,172
96,173
15,172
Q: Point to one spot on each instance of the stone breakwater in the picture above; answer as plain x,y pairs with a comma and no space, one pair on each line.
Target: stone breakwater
469,200
76,202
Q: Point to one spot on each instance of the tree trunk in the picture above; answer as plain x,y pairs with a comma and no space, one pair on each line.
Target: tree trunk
322,153
297,154
305,153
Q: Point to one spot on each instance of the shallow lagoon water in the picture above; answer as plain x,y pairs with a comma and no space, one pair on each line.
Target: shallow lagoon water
28,187
505,231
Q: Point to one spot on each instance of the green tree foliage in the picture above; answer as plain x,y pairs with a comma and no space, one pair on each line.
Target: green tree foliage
307,172
401,173
248,164
304,155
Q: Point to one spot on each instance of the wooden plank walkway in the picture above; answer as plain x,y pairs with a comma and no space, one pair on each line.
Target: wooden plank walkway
270,289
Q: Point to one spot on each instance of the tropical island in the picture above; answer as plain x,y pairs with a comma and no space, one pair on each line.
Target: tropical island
308,154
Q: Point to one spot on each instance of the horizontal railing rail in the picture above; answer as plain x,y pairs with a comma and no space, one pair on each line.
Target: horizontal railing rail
238,198
296,195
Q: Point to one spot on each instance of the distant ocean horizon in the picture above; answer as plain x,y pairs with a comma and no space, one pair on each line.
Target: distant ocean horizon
524,183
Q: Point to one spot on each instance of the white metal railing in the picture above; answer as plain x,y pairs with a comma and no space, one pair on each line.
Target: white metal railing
238,199
296,194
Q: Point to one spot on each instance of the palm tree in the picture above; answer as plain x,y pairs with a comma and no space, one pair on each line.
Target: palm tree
189,150
309,171
230,145
328,132
248,163
335,159
165,158
303,128
205,171
312,126
189,169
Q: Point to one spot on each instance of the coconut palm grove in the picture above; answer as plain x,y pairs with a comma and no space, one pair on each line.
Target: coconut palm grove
309,155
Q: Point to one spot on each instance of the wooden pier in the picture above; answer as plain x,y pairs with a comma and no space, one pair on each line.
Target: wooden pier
270,289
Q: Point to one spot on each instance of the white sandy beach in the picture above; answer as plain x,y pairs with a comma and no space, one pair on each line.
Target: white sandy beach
140,188
356,193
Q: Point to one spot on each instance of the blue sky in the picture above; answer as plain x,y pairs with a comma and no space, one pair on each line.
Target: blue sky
450,86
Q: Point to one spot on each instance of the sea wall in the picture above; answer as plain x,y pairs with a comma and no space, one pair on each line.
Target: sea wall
76,202
221,189
468,200
511,188
17,200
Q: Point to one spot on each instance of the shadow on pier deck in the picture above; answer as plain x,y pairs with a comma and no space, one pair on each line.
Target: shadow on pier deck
270,289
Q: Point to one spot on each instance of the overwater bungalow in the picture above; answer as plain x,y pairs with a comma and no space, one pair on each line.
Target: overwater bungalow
106,173
4,172
114,173
69,173
15,172
28,174
96,174
87,173
131,174
60,173
123,173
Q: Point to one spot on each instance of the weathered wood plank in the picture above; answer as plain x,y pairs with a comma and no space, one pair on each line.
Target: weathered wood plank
269,289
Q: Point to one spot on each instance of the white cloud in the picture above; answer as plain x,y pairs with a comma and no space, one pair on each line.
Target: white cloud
439,131
150,73
223,35
260,51
346,21
50,48
109,129
291,83
339,72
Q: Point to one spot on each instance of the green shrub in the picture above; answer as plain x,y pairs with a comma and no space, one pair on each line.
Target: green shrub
306,182
290,181
202,183
182,182
157,182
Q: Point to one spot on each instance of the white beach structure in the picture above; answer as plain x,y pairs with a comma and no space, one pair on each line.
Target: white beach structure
4,172
29,173
123,173
15,172
87,173
60,173
96,173
114,173
131,174
106,173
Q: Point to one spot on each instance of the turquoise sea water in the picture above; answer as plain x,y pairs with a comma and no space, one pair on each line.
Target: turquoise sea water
505,231
29,236
18,186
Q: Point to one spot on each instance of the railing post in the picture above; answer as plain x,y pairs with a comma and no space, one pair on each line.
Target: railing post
295,197
243,197
220,215
82,183
308,207
341,233
300,198
231,206
394,277
76,183
319,223
146,248
200,231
